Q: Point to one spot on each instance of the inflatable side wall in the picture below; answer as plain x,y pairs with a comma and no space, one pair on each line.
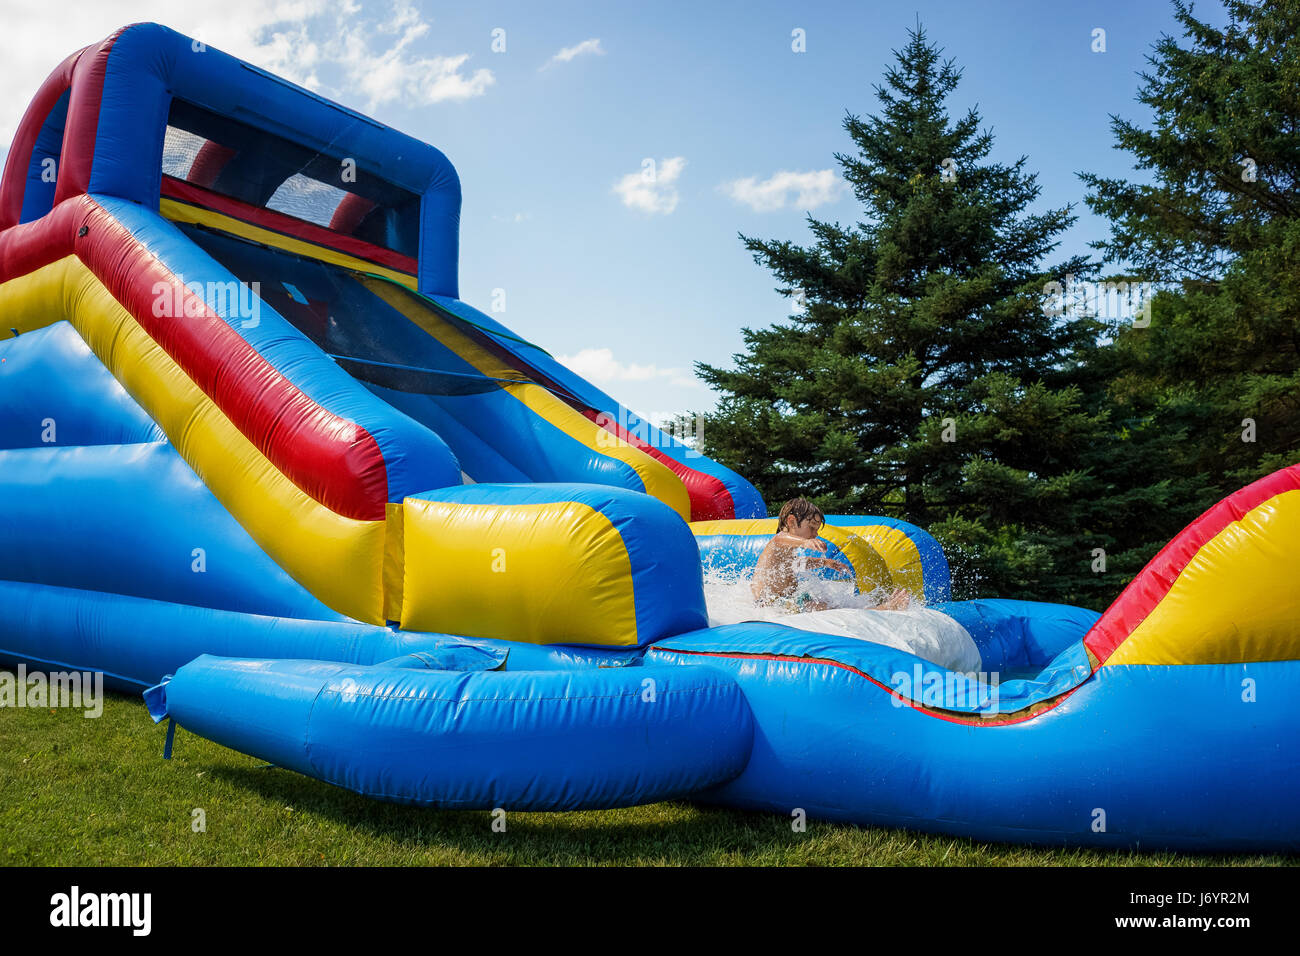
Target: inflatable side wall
415,730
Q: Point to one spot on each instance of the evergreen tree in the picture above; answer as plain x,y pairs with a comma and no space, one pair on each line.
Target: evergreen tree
1218,226
923,378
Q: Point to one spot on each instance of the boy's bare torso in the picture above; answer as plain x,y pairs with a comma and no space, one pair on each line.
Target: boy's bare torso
776,581
774,574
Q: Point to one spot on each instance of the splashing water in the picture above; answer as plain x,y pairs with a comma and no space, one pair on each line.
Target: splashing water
928,634
729,598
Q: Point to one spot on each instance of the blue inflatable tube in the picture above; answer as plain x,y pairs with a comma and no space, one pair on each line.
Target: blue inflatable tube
57,394
136,641
528,740
1095,767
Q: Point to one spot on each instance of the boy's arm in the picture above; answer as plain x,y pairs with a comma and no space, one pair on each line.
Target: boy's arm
789,541
830,563
786,540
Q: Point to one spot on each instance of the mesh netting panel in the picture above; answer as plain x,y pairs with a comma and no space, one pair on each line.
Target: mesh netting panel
179,150
306,198
265,171
370,340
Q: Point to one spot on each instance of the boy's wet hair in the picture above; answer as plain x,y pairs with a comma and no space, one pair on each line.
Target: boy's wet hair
800,509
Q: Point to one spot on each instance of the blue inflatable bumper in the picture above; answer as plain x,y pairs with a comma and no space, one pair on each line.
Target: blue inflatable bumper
410,731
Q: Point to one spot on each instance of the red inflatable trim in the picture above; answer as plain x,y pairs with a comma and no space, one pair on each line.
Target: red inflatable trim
710,499
336,462
349,213
14,186
182,191
208,163
82,127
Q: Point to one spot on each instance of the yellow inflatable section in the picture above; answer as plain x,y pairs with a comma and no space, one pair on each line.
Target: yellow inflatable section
536,573
898,549
1236,600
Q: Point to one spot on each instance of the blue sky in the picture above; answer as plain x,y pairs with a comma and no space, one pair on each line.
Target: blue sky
633,285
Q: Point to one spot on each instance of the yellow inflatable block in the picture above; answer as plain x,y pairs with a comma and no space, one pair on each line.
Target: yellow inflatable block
554,573
899,551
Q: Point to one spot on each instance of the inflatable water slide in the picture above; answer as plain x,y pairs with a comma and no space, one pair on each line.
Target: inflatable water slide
259,462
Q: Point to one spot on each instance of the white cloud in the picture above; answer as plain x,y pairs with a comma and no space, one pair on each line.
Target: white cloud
591,46
653,189
335,47
393,72
811,189
600,366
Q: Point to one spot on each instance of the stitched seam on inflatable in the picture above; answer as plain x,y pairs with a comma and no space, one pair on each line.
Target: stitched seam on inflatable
506,700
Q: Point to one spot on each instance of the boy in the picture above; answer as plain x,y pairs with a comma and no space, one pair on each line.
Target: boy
774,580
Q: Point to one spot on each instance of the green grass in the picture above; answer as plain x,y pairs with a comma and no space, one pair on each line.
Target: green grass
78,791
